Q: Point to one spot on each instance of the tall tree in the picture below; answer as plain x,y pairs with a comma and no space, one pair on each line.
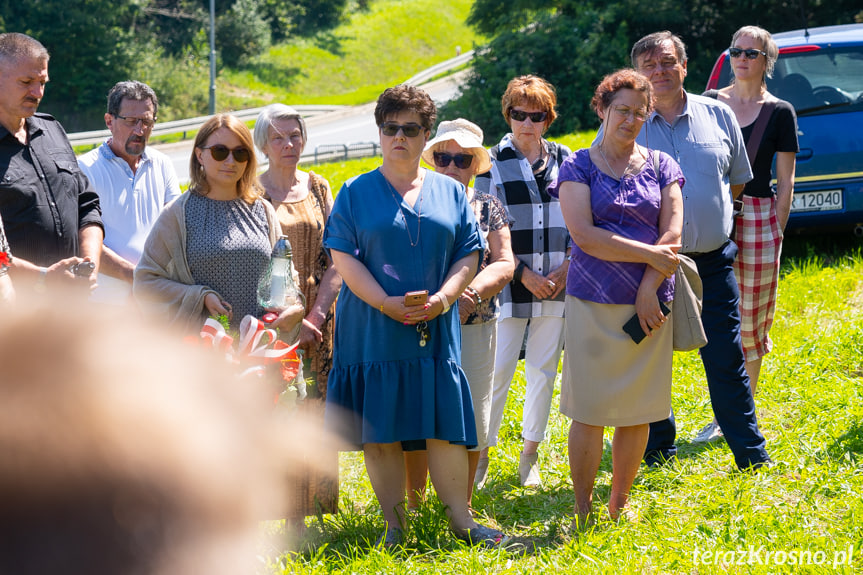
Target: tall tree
574,43
89,43
96,43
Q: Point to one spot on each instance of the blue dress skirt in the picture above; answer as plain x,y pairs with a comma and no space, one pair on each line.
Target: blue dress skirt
384,387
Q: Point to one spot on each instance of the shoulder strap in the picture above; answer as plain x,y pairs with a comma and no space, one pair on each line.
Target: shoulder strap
757,134
655,156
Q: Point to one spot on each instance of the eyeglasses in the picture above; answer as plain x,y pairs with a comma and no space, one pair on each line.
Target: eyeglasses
462,161
624,112
521,116
409,130
751,53
133,122
220,153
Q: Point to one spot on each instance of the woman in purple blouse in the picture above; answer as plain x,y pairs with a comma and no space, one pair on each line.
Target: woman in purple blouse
622,205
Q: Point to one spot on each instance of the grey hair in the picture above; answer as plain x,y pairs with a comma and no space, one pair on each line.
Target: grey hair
767,45
15,46
270,114
650,43
132,90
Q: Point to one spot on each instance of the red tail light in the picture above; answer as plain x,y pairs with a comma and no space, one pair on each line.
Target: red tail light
714,75
797,49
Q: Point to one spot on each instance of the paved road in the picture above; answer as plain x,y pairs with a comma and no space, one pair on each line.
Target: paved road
350,125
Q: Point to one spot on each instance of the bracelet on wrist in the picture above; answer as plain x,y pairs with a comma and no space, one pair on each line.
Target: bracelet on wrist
444,302
519,270
39,286
475,294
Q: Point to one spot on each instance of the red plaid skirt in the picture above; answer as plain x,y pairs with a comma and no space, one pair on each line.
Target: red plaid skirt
759,240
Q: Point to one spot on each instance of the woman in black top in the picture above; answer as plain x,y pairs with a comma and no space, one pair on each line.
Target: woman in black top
759,229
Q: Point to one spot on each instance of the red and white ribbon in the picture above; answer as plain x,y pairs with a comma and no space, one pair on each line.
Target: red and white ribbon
258,346
257,341
214,332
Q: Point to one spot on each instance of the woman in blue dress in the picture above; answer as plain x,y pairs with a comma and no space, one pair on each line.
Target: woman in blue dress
396,382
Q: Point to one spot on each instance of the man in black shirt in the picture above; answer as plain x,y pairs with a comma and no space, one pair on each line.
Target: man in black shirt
50,211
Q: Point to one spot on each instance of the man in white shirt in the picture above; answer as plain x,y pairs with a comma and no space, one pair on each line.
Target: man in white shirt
134,184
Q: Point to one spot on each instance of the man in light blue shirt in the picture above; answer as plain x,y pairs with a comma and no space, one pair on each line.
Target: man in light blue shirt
134,183
705,139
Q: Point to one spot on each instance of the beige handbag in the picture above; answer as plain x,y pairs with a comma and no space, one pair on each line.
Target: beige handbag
687,329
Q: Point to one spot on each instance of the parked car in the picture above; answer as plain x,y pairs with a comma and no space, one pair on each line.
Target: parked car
820,71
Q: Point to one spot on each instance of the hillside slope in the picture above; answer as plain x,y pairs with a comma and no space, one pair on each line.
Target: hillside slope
352,64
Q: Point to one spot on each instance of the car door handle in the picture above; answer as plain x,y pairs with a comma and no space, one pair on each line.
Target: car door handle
804,154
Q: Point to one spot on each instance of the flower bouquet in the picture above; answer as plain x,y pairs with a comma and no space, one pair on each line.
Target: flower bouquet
258,354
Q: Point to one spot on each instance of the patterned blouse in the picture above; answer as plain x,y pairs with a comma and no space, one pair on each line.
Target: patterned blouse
228,249
629,208
491,216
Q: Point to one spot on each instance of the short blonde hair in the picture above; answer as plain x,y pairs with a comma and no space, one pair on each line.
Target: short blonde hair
247,188
767,45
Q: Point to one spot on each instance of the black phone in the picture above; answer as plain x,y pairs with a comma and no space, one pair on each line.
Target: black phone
633,326
83,269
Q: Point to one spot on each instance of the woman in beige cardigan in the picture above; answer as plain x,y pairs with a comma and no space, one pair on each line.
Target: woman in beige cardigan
211,246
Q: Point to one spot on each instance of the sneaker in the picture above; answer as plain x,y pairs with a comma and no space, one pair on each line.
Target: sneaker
481,473
528,470
708,433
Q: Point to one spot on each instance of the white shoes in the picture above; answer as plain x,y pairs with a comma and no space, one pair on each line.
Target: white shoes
708,433
528,470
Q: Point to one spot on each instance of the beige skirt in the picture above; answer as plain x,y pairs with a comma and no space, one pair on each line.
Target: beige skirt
609,380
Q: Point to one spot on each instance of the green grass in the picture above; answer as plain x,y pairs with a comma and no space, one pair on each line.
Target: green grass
388,44
810,408
338,173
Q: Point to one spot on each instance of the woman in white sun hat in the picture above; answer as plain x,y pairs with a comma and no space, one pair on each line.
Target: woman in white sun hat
457,152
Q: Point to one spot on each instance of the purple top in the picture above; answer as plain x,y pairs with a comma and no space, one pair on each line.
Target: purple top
629,208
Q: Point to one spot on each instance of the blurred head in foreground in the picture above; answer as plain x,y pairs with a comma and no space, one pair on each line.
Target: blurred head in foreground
125,451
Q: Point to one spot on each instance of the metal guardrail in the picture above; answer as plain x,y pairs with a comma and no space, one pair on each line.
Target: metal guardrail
334,152
192,124
440,68
322,153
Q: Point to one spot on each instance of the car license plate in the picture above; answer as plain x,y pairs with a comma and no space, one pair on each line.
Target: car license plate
820,201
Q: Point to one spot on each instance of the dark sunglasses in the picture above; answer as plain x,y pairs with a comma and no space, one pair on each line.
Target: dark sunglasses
462,161
751,54
409,130
521,116
220,153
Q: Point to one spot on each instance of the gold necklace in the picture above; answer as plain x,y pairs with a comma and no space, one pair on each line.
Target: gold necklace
419,212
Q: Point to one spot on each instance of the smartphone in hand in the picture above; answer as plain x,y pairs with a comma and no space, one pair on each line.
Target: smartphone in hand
413,298
633,327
